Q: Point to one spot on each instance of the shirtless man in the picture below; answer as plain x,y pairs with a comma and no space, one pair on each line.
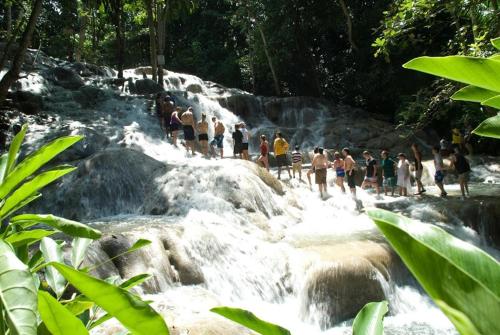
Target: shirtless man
350,164
218,140
320,165
311,170
188,126
202,128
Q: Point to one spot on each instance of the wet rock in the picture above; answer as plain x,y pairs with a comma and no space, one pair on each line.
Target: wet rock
244,105
87,69
29,103
65,77
189,273
89,96
210,326
194,88
145,86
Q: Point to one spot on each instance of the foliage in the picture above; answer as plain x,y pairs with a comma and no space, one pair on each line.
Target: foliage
27,306
462,279
250,321
369,319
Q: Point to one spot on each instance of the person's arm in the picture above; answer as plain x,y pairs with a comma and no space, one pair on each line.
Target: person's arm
375,166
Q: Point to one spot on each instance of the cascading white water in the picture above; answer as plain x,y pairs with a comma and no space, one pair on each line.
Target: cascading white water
251,242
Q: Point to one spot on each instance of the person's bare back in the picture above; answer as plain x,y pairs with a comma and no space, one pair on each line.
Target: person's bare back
219,128
187,118
349,163
202,127
320,162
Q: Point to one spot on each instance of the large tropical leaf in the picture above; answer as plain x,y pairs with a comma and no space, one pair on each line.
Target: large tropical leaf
135,314
35,161
249,320
14,148
493,102
474,94
69,227
457,273
3,166
79,305
489,127
79,248
57,319
27,237
31,187
496,42
369,320
480,72
460,318
17,293
52,252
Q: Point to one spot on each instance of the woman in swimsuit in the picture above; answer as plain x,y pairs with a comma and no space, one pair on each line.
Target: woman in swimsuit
264,150
338,166
175,124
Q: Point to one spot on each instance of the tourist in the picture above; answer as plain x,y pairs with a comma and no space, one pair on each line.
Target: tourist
339,167
371,172
280,150
311,170
244,143
457,140
388,172
404,181
444,147
218,140
468,137
438,165
202,128
297,162
320,163
419,168
350,165
462,166
168,109
159,111
237,141
175,124
264,152
188,125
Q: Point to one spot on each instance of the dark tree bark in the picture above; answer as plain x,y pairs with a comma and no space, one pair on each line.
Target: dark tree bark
115,10
152,37
347,15
13,74
8,14
277,88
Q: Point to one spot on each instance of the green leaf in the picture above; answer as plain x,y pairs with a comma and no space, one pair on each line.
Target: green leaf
35,161
139,244
136,315
79,247
449,269
52,252
496,43
369,319
3,166
489,127
24,203
101,320
134,281
31,187
57,319
14,148
27,237
480,72
458,318
17,293
474,94
493,102
249,320
69,227
79,305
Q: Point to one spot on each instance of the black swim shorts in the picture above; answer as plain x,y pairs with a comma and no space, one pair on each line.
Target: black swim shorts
351,182
282,160
188,133
203,137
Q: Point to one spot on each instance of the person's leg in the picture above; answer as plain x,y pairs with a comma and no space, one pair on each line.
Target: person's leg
377,187
279,171
288,169
385,190
462,188
174,140
308,175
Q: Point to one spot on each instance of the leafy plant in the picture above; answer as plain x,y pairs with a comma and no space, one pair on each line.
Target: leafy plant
460,278
481,74
26,306
369,319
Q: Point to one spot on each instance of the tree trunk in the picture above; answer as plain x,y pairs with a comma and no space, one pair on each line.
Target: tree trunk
494,4
161,31
277,88
348,20
152,38
8,14
13,74
81,37
120,45
12,39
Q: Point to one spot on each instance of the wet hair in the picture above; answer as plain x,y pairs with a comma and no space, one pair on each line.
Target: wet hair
279,134
384,152
415,145
347,150
237,126
190,109
336,154
366,152
297,147
179,109
158,95
263,137
401,155
437,148
214,118
203,115
169,93
320,151
316,150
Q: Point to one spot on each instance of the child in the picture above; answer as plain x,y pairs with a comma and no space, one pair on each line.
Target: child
404,182
339,167
438,165
388,169
297,162
461,165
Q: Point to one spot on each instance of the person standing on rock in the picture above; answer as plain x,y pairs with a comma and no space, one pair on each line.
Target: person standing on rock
237,141
297,162
350,165
462,166
320,163
311,170
159,102
202,128
388,175
175,124
280,150
419,168
188,126
371,172
438,165
168,109
264,152
339,167
404,182
218,140
245,139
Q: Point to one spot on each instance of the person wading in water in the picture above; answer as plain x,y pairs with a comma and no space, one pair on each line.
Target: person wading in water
202,128
218,140
320,164
264,152
280,150
188,126
175,124
350,166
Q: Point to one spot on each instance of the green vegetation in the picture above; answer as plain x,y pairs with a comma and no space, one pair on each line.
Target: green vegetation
29,255
369,319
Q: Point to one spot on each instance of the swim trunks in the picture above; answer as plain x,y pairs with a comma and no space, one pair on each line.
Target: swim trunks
188,133
244,146
439,176
203,137
320,176
218,141
340,172
281,160
351,182
389,182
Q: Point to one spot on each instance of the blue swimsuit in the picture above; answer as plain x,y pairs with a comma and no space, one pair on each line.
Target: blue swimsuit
340,172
